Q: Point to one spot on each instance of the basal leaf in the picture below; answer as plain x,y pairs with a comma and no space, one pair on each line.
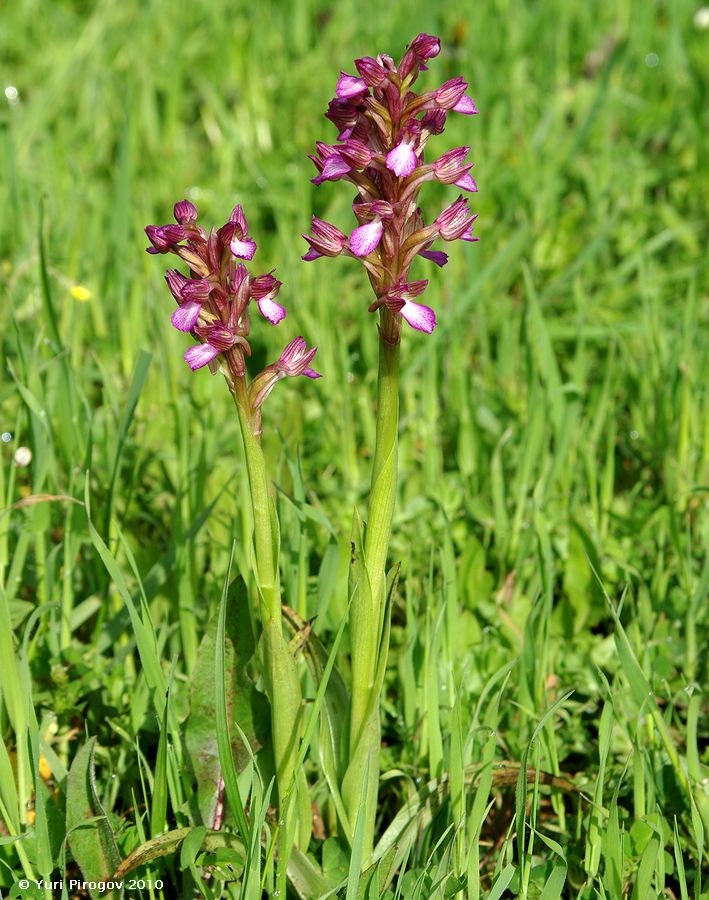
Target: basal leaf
90,836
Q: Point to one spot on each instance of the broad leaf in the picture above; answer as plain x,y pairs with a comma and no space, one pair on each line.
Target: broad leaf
245,705
90,836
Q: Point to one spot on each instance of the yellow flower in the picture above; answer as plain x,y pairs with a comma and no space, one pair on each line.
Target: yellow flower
80,293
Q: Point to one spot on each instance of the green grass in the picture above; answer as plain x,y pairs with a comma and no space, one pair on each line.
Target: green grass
543,710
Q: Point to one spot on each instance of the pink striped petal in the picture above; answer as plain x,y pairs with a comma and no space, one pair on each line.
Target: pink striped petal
350,86
402,159
418,316
271,310
243,249
466,106
365,239
199,355
335,167
185,316
467,183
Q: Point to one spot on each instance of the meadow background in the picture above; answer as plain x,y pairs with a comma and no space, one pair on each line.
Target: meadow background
551,516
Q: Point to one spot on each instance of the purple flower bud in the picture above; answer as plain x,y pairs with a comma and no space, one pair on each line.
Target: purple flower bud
423,47
454,220
197,289
350,86
343,114
296,358
185,212
452,165
311,255
365,239
372,71
326,240
175,281
426,46
335,167
407,290
450,93
165,238
237,217
355,153
218,336
264,286
400,299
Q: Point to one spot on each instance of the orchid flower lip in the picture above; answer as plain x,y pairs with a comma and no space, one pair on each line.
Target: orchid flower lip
186,316
271,310
365,239
198,355
243,249
402,159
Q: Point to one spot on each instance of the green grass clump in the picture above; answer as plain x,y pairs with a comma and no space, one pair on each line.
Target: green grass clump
544,707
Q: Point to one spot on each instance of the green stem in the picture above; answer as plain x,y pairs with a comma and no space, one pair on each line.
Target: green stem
279,667
384,469
368,605
265,551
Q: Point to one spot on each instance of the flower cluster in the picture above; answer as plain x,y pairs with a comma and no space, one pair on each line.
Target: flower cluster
213,302
383,128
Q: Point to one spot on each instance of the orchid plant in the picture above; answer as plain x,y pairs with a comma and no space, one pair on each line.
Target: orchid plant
384,128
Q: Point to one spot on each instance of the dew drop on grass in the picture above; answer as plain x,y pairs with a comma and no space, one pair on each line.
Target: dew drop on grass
12,95
652,60
6,437
634,435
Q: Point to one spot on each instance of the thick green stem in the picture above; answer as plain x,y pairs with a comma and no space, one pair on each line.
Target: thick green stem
384,469
369,602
